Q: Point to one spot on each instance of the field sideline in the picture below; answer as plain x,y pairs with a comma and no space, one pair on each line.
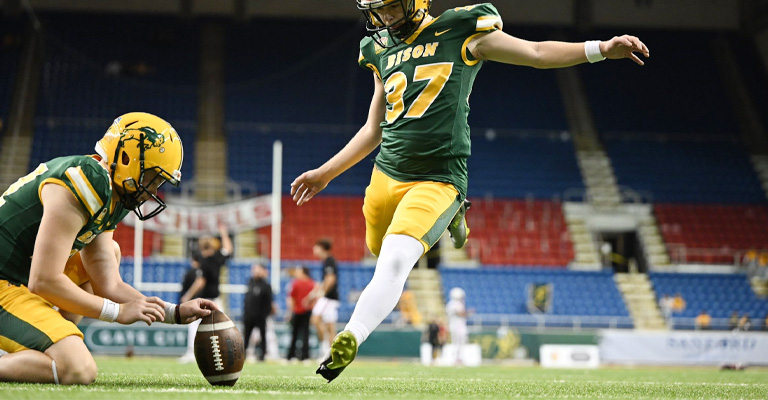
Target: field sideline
164,379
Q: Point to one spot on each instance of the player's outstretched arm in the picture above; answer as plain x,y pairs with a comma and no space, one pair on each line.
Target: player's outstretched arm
195,309
310,183
501,47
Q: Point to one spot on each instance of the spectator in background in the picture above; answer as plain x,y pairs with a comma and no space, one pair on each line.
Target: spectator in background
409,312
749,261
213,253
665,305
325,313
457,320
299,310
765,322
258,306
762,259
435,335
762,266
703,321
733,320
678,303
744,323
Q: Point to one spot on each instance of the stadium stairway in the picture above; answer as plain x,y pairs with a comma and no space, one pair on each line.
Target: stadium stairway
584,248
639,297
652,241
426,286
599,178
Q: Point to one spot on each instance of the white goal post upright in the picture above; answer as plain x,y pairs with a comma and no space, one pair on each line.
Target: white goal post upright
277,212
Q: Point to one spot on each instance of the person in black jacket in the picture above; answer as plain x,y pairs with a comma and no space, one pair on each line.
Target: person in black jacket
257,307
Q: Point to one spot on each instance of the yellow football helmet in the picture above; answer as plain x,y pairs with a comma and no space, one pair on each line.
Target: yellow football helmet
143,152
414,12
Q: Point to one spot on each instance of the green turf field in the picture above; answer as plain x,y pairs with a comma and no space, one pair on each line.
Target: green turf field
163,378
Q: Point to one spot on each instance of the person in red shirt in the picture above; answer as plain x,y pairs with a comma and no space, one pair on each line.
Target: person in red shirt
299,310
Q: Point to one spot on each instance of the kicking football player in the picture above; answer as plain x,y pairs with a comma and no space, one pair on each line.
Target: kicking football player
58,261
423,70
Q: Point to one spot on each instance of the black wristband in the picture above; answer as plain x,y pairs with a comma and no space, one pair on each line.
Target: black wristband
177,314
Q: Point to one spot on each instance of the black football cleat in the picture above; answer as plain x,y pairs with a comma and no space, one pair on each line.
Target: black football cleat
343,351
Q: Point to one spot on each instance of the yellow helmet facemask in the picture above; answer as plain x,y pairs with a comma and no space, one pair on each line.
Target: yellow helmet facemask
143,152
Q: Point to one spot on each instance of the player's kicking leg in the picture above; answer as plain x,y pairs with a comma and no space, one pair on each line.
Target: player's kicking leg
343,351
458,228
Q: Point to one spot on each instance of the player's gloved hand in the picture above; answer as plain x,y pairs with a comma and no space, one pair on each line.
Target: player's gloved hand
148,310
194,309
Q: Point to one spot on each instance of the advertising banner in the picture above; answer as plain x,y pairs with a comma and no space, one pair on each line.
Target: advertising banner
239,216
683,347
569,356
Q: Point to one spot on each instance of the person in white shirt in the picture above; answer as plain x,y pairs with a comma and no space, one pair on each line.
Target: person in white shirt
457,320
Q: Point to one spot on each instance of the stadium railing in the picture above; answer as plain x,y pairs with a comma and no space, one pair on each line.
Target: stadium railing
541,321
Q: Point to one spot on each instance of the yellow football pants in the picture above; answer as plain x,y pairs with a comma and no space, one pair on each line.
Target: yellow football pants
420,209
27,321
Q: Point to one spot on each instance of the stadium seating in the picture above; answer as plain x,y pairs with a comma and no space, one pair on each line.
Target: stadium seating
718,294
729,228
517,98
337,218
518,232
90,76
666,95
504,291
152,67
309,81
685,171
250,157
489,290
541,166
124,236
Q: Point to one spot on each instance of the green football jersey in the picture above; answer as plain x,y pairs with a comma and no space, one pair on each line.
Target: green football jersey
427,80
21,210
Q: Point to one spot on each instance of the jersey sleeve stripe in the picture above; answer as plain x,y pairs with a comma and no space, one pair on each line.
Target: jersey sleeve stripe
84,189
464,50
374,69
489,22
46,181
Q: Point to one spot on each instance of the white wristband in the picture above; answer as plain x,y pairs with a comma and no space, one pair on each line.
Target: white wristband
109,311
592,50
170,313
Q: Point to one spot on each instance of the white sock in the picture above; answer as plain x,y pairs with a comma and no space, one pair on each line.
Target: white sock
398,255
55,373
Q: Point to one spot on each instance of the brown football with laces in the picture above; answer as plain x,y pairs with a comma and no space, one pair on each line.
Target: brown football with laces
219,349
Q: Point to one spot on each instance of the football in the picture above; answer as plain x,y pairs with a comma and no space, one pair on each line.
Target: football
219,350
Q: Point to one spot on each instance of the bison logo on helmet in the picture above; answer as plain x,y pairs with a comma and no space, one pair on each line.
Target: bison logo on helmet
151,137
